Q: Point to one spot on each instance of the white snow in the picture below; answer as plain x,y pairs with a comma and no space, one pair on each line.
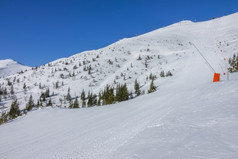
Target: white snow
188,117
9,67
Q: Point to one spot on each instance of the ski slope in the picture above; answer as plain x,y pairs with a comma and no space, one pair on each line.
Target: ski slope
187,117
174,122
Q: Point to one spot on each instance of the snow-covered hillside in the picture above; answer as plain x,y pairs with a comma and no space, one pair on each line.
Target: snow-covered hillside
164,49
187,117
9,67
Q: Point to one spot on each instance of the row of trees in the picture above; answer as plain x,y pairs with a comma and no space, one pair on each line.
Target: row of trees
109,95
12,114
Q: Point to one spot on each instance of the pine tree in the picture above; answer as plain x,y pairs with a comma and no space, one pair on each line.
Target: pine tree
12,90
234,63
3,117
57,85
30,104
162,74
38,104
68,97
24,87
125,92
47,93
49,103
169,74
137,88
14,110
152,87
83,98
122,93
108,95
42,97
76,104
99,99
94,99
90,101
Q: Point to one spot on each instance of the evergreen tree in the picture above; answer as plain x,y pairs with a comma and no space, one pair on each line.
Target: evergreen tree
234,63
94,99
12,90
137,88
76,104
68,97
49,103
14,110
3,117
24,87
125,92
162,74
99,99
169,74
38,104
90,101
152,87
42,97
122,93
57,85
30,104
108,95
47,93
1,91
83,98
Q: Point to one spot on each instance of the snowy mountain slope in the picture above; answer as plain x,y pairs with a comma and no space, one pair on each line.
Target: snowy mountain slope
188,117
174,122
164,49
9,67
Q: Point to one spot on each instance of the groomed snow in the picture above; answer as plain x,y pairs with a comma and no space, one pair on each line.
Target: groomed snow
197,121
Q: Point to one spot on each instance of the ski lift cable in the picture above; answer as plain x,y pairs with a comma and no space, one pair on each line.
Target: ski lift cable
203,57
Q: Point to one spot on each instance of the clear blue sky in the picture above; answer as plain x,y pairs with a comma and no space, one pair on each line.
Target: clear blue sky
35,32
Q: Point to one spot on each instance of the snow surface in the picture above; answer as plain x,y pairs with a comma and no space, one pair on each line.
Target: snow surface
188,117
9,67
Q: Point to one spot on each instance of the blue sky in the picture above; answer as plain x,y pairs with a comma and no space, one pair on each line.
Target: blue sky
35,32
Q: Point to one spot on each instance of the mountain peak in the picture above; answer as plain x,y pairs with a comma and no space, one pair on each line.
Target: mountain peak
9,66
